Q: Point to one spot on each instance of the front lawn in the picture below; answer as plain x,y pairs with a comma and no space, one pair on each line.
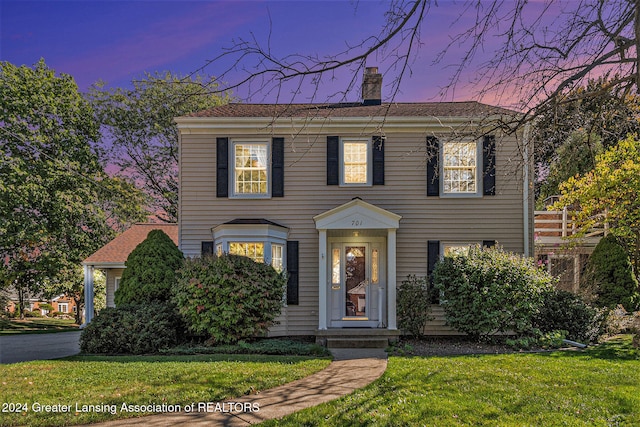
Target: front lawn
600,386
36,325
137,380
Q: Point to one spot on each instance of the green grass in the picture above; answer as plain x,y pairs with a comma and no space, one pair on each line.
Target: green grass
597,387
36,325
176,380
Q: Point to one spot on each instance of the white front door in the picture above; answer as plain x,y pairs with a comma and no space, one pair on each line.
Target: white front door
357,278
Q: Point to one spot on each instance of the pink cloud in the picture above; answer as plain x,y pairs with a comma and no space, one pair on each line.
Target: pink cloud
163,42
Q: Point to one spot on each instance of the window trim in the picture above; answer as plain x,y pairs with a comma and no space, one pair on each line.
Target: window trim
478,175
267,234
232,168
369,165
450,243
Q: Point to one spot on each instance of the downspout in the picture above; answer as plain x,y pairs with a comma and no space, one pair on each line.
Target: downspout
525,192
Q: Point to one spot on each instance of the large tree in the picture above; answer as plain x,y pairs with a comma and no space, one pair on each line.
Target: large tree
139,123
545,50
57,205
610,192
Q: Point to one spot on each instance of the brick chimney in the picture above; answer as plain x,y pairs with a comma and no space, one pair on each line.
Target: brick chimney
371,87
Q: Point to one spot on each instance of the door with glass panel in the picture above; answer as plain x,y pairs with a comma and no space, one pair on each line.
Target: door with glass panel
355,284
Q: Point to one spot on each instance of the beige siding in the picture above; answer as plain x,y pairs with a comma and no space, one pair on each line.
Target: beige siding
112,273
498,217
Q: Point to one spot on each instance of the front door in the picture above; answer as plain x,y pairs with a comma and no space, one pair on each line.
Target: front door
356,284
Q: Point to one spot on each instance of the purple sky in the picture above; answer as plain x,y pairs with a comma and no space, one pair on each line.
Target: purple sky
116,41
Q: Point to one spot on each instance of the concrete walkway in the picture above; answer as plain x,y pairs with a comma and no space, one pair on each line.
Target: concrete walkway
24,347
351,369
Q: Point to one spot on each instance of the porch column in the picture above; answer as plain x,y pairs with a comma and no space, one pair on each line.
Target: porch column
391,279
322,280
88,295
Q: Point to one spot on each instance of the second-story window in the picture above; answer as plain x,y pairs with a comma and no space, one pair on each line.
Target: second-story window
460,168
356,162
250,169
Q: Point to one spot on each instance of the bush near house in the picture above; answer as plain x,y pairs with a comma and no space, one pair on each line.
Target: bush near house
609,279
132,329
229,297
562,310
151,271
491,291
145,319
413,305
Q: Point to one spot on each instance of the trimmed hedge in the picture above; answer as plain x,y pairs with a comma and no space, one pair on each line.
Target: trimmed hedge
132,329
491,291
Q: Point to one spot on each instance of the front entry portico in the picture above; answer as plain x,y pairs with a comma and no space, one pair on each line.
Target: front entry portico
357,266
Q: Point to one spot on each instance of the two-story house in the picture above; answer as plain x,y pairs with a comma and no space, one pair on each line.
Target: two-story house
351,198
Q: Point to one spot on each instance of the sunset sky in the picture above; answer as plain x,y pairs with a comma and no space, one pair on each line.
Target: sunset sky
117,41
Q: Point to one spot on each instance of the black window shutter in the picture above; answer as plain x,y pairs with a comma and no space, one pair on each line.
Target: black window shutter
433,174
378,160
206,248
433,255
488,243
277,167
222,167
292,270
489,165
333,160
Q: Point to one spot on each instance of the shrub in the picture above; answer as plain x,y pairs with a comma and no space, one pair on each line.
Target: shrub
562,310
609,276
34,313
229,297
491,291
132,329
150,272
413,304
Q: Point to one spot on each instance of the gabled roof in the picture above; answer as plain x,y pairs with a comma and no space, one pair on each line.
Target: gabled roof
117,250
405,109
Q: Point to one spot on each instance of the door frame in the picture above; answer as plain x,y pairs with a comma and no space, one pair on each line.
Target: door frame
357,218
375,299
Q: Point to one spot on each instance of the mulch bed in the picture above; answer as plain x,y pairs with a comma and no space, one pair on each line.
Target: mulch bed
448,346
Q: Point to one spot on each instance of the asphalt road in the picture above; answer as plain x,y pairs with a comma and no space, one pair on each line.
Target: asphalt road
24,347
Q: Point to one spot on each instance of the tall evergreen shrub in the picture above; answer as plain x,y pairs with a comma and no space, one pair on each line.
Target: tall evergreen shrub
151,271
609,276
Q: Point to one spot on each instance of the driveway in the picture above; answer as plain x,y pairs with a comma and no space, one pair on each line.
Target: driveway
23,347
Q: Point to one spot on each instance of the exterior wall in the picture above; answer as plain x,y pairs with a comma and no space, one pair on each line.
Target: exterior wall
498,217
111,274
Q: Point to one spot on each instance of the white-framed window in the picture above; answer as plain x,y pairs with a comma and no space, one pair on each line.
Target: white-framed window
63,307
250,171
356,168
260,241
277,256
460,168
456,248
253,250
116,283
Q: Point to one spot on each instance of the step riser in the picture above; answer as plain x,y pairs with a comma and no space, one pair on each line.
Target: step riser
357,343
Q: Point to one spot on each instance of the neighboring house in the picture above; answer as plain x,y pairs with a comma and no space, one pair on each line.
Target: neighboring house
351,198
111,258
61,304
558,248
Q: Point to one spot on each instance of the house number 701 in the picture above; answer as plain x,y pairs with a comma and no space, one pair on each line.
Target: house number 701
356,223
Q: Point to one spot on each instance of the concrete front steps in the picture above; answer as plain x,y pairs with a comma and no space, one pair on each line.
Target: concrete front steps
356,338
